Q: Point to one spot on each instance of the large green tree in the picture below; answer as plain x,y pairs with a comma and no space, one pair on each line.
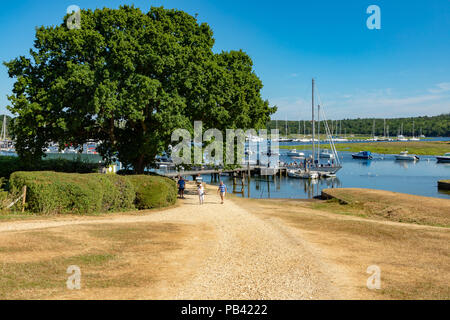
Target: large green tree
128,79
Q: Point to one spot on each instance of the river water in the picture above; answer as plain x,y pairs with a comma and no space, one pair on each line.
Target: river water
382,173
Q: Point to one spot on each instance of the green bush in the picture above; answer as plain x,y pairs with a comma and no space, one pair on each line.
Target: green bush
153,191
119,192
3,194
51,192
3,198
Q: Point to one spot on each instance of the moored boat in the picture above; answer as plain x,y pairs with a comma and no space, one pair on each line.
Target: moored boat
302,174
444,159
326,155
295,153
405,156
365,155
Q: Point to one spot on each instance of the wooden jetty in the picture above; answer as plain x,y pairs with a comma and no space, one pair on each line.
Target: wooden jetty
250,170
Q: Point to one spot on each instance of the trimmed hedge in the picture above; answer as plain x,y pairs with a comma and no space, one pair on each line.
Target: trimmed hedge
3,194
8,165
3,197
51,192
58,193
153,191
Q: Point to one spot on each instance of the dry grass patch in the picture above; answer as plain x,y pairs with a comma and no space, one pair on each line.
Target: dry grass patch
390,206
117,261
414,260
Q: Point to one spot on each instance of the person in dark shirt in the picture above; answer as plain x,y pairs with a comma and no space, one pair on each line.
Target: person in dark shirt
181,187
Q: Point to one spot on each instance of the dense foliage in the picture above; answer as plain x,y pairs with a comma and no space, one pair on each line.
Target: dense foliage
3,193
437,126
128,79
62,193
153,192
8,165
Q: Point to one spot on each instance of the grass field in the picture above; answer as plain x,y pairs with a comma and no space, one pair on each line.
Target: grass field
423,148
414,260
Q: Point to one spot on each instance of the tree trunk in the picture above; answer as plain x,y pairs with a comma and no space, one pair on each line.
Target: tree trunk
139,165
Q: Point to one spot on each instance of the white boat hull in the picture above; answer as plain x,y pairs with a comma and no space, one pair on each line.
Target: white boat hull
296,154
326,156
406,158
300,174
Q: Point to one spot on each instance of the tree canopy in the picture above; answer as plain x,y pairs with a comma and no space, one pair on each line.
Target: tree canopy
128,79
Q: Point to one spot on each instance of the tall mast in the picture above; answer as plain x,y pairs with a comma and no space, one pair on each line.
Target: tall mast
313,126
318,133
286,127
3,133
373,129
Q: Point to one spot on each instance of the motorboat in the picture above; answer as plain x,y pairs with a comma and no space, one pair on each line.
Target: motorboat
402,138
285,140
444,159
302,174
405,156
326,155
295,153
270,154
365,155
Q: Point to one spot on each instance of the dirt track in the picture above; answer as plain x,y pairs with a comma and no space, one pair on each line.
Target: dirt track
248,257
243,255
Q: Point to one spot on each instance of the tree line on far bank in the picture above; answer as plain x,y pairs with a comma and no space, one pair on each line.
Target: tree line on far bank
436,126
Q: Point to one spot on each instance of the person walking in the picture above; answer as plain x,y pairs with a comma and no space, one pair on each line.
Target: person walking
201,193
223,191
181,187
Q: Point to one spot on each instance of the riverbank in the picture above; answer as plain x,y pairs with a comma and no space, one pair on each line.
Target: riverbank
244,249
424,148
391,206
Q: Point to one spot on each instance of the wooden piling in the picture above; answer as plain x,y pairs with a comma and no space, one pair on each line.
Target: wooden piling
24,198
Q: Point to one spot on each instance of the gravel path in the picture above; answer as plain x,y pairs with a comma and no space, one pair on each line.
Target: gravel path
255,259
251,258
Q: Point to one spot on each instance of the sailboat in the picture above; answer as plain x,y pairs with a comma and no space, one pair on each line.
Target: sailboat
6,145
414,134
401,137
315,167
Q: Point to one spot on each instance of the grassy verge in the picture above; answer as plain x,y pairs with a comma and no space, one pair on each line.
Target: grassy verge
390,206
117,261
423,148
414,260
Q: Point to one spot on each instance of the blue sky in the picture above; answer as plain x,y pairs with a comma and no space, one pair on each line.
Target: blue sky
401,70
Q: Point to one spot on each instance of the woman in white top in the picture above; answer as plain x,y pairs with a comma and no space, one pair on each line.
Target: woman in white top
201,193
